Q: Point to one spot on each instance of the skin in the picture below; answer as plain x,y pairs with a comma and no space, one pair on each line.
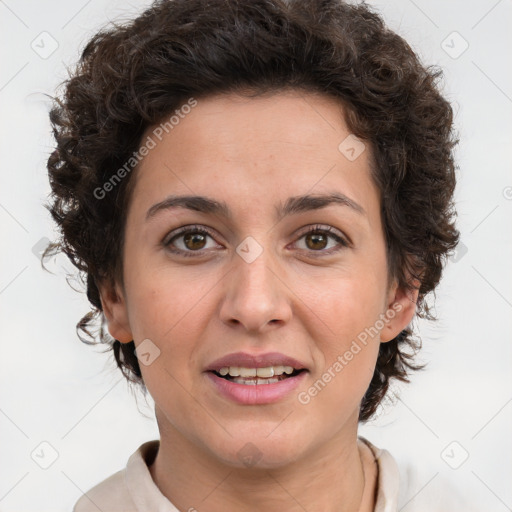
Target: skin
254,153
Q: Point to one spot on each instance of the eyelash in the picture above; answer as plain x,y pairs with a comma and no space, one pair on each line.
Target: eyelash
201,230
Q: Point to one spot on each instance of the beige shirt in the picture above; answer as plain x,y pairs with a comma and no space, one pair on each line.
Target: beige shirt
133,490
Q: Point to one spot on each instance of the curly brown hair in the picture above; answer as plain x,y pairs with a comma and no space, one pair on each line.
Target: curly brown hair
130,76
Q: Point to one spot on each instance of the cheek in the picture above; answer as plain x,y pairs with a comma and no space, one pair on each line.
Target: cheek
166,300
173,313
346,337
343,308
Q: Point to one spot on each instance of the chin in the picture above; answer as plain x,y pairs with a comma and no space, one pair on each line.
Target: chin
260,451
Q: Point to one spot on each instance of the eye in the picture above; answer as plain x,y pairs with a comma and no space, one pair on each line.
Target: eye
317,238
193,240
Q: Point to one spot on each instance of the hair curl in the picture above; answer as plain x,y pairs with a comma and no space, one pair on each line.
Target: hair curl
130,76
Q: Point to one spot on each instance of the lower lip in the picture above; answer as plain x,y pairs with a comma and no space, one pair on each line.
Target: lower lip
257,393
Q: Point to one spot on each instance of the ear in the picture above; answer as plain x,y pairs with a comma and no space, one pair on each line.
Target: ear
401,307
115,311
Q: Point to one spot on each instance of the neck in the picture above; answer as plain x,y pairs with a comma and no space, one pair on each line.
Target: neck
331,479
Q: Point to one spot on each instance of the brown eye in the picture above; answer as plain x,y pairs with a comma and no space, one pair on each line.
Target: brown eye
194,241
316,239
188,240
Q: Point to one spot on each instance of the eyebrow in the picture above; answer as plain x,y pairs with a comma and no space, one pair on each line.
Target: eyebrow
293,205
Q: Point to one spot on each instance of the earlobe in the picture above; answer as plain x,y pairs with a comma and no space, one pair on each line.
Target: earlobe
115,311
401,309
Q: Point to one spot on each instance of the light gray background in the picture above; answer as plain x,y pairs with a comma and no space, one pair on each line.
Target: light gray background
56,390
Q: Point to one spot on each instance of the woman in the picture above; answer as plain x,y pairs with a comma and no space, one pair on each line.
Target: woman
259,194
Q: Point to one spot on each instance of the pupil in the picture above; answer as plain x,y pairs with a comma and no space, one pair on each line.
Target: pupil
193,238
315,237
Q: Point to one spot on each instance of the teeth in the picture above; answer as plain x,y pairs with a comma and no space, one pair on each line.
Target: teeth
255,381
265,373
247,372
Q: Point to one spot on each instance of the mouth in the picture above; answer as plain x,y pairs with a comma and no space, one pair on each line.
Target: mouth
256,390
257,376
256,379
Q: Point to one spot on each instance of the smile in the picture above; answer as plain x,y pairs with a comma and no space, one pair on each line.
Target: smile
254,390
256,376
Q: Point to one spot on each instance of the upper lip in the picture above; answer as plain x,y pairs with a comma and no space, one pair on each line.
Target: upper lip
246,360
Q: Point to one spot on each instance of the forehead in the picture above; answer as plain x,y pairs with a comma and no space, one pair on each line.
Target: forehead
249,151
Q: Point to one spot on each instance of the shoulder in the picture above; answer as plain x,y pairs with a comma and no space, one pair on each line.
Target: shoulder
407,484
388,479
430,487
129,490
109,495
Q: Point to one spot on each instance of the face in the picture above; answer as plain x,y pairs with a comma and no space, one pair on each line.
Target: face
283,281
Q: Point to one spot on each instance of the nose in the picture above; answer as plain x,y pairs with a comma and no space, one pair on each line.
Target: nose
255,295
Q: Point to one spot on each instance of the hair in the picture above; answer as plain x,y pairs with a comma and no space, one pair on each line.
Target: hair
131,76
